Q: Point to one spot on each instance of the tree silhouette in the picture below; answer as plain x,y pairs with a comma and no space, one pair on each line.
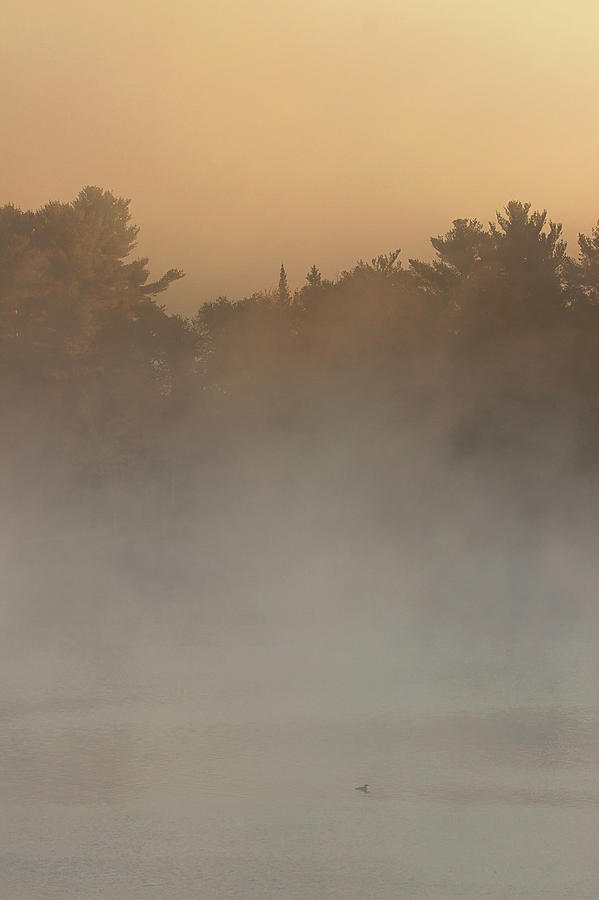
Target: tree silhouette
79,330
284,294
314,278
501,319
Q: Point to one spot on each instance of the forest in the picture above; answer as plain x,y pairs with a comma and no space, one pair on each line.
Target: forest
490,350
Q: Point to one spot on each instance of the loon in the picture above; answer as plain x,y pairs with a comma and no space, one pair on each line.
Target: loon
364,788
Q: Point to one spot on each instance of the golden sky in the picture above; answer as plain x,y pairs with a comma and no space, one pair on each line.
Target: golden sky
250,132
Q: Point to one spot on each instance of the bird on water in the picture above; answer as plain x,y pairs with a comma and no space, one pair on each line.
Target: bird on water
363,788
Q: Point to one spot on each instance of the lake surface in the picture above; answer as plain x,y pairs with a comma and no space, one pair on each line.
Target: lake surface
226,768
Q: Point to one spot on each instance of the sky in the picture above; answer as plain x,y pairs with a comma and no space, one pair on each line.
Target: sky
253,132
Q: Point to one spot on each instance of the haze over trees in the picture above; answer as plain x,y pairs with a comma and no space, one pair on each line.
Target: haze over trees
100,384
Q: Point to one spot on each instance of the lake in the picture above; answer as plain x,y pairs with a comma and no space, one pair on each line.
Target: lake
225,767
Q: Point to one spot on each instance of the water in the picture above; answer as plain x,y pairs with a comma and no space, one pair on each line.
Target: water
225,768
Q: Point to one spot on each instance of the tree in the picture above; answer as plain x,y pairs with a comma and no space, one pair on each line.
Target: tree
68,283
531,254
78,321
504,280
461,251
452,283
583,274
283,294
314,278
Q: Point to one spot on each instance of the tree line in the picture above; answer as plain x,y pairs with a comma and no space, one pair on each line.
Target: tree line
500,328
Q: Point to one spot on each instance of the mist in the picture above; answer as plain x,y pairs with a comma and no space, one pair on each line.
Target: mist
198,672
297,547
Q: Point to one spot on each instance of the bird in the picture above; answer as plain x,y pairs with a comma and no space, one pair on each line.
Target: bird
363,787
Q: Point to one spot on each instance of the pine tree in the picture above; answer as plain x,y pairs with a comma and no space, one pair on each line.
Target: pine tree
284,295
314,278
